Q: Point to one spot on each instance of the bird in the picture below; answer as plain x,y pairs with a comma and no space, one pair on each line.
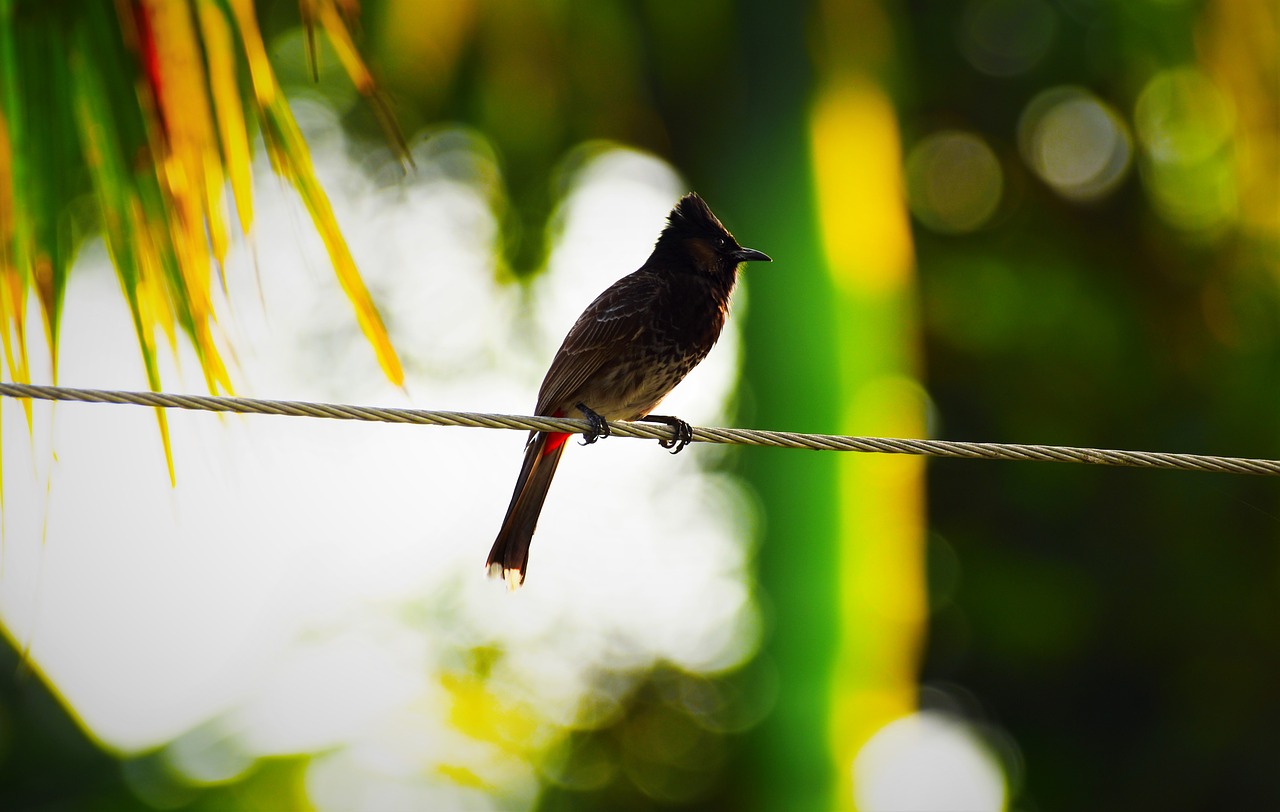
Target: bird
624,354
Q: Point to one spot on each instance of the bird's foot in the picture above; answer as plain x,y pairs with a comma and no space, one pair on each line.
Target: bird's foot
599,426
683,431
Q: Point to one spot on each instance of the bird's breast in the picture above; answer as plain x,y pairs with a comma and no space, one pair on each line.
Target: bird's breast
679,334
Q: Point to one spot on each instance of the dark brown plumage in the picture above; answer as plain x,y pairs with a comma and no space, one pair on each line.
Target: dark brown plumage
627,350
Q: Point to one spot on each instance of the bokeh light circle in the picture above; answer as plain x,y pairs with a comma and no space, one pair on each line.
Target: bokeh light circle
928,760
1182,117
954,182
1075,143
1185,125
1006,37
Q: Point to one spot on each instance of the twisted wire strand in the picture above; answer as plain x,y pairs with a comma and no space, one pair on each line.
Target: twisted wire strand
727,436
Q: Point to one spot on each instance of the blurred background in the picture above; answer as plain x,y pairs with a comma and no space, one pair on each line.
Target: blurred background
1045,221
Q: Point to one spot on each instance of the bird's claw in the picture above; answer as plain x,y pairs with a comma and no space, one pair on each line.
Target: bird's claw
684,436
599,427
683,433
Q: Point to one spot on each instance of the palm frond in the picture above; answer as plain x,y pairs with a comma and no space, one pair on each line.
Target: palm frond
137,106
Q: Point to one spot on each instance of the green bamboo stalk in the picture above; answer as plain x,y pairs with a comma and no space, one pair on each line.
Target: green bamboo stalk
791,377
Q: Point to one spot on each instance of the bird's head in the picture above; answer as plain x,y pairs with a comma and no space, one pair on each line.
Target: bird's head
694,233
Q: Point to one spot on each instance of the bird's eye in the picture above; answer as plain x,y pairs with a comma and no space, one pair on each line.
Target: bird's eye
722,242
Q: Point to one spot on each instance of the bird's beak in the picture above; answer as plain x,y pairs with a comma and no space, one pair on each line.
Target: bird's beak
750,255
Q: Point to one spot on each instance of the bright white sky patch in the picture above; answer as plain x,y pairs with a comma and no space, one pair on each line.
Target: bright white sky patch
308,581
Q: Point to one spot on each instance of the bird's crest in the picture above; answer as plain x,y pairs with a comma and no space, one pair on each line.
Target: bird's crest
693,218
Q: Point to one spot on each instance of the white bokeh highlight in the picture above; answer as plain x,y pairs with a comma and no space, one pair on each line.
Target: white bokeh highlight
927,761
1075,142
307,582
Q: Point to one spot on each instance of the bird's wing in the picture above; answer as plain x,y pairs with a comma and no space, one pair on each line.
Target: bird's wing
613,320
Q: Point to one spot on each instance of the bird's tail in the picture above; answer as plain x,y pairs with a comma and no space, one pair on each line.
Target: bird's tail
509,557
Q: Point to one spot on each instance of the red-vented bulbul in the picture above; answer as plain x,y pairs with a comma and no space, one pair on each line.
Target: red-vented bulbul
627,350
